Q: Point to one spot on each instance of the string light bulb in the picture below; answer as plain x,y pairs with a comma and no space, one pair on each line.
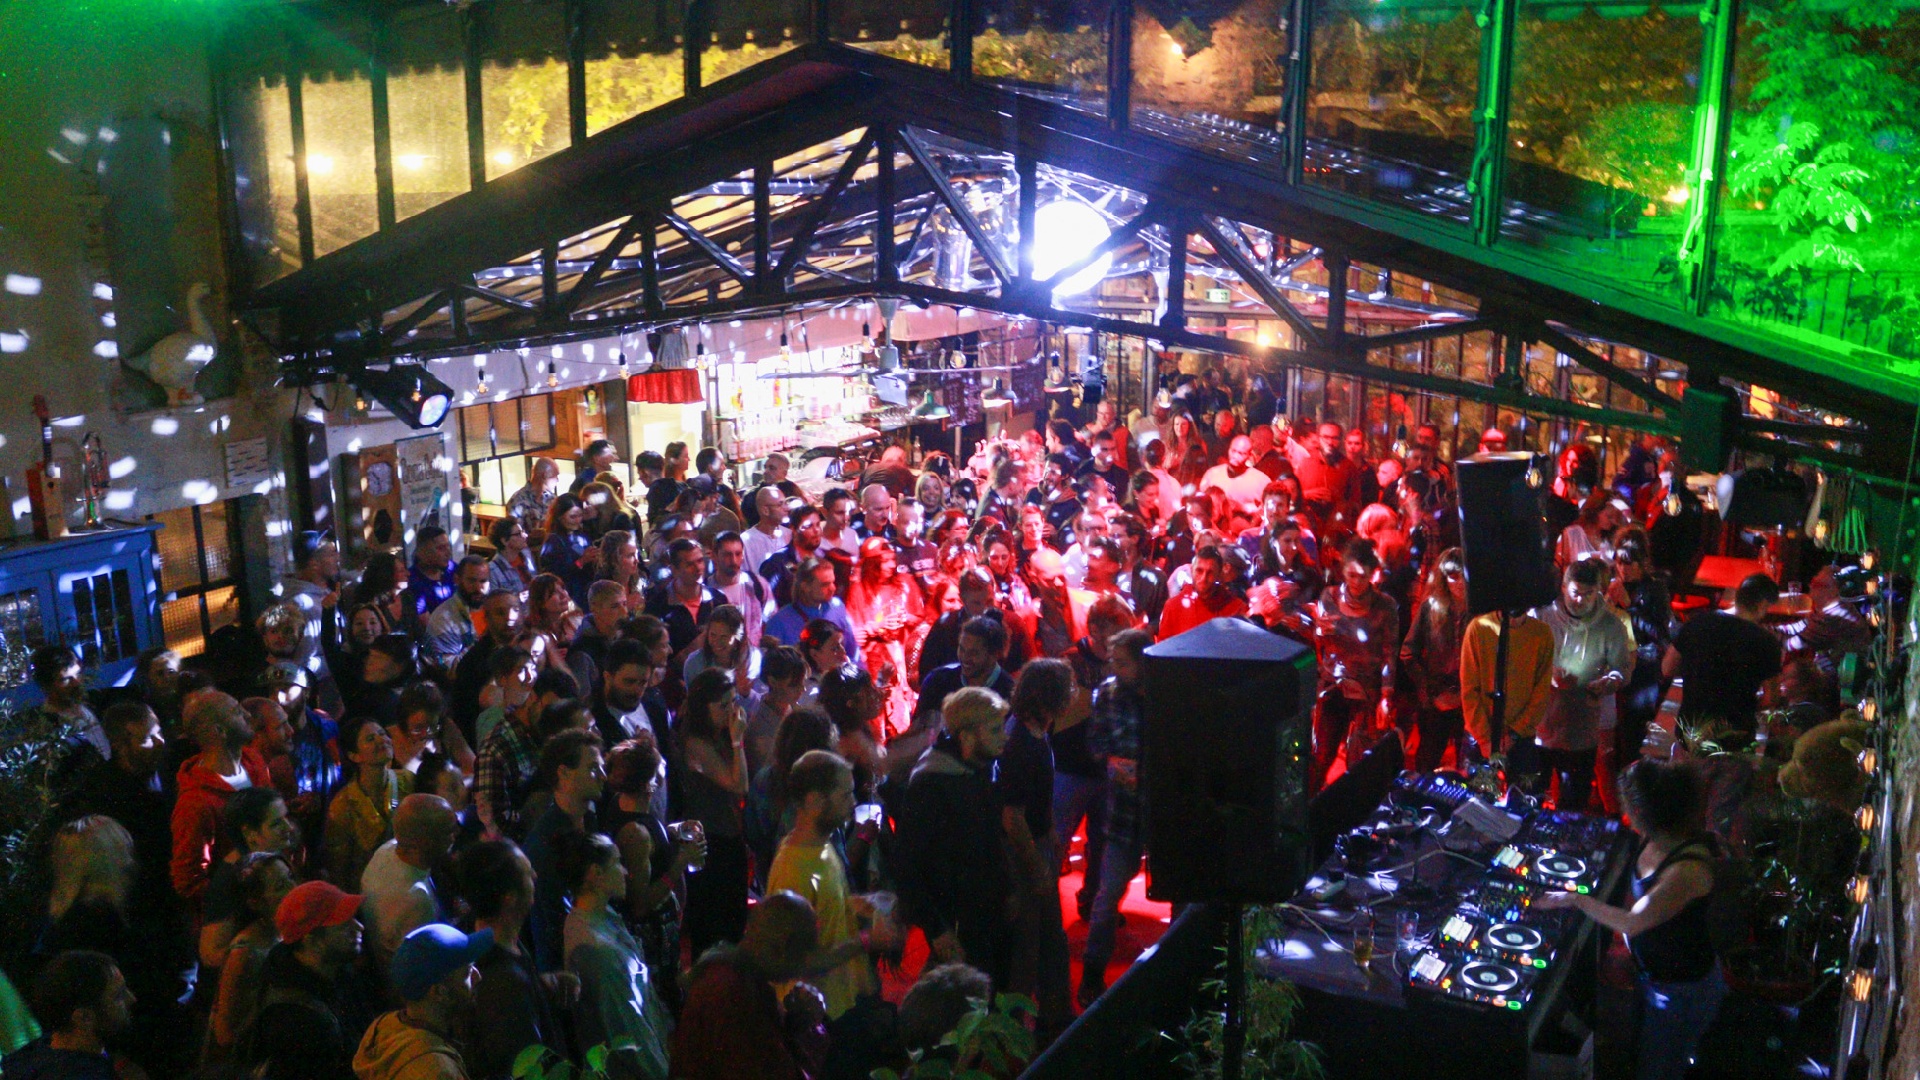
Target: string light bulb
1820,531
1860,984
359,402
480,364
553,377
1864,817
1859,887
1866,560
866,334
1673,504
786,350
622,357
1535,474
1869,709
1869,760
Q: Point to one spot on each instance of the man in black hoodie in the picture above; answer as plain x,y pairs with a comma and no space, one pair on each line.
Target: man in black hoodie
958,881
308,1023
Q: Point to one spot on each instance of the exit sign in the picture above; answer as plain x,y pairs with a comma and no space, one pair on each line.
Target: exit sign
1219,296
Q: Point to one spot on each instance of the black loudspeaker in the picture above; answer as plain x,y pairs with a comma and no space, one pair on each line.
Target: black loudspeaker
1228,724
1503,535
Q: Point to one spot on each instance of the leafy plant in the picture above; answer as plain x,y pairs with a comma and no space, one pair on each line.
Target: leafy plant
1809,189
1271,1005
33,750
537,1062
993,1042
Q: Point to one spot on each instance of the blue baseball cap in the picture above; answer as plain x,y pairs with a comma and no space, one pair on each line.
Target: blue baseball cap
433,952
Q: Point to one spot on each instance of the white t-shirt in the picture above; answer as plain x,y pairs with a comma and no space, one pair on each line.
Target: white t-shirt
760,547
400,899
1242,489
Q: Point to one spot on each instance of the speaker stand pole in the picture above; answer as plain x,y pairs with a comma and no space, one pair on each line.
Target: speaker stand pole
1498,721
1235,1033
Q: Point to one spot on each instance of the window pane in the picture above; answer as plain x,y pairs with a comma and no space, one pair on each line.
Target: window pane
745,32
634,60
426,109
1597,149
213,538
1390,112
1217,87
1810,265
1057,51
180,623
523,84
911,30
179,551
337,103
260,135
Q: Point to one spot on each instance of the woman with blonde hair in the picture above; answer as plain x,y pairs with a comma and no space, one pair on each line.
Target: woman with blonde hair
606,510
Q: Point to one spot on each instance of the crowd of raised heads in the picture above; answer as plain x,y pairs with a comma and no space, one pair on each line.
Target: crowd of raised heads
668,775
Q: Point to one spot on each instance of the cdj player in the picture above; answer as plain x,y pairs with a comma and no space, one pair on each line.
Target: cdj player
1524,944
1481,980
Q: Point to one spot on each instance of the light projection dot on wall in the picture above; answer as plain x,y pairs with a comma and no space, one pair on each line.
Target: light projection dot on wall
165,425
122,468
199,491
23,284
102,291
119,500
106,350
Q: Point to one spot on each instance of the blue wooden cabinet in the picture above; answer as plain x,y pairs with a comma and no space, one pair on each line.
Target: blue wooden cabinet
97,592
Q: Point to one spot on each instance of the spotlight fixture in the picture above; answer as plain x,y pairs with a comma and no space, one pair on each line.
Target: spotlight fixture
409,391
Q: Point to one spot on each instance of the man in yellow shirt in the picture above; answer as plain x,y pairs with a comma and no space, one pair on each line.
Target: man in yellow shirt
820,784
1530,649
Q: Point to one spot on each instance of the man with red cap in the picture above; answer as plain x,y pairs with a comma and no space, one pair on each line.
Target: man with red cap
308,1022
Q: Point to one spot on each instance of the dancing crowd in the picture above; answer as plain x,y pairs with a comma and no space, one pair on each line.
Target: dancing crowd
668,783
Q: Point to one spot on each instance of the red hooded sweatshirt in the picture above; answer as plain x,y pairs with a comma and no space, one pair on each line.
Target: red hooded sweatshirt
196,819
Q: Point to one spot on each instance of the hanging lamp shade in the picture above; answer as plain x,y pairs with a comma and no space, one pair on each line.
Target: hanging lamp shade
996,395
929,409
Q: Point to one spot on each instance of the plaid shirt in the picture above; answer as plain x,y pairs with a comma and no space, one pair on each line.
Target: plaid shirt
502,772
1114,731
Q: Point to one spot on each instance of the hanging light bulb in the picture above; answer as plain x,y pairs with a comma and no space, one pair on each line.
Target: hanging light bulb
786,351
1820,531
480,363
1866,560
1536,475
1869,760
1860,984
1864,817
622,357
1400,446
1673,504
553,377
1859,887
866,335
359,402
1869,709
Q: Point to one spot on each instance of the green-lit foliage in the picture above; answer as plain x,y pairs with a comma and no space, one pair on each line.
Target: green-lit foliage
1823,182
992,1042
1271,1005
1070,59
621,87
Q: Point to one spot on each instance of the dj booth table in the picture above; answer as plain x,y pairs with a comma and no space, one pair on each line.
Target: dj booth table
1466,977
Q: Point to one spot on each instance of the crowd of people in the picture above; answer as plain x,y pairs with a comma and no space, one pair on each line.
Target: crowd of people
672,780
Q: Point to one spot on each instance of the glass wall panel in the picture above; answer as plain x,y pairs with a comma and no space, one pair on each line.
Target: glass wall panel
523,83
1390,111
1597,145
337,104
744,32
1829,257
1219,86
1055,50
260,146
911,30
634,60
426,108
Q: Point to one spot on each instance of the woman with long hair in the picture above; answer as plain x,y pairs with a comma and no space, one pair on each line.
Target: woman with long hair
263,879
1592,532
254,822
620,562
1431,657
383,583
423,730
710,733
1182,434
824,645
724,645
569,553
606,511
885,609
552,620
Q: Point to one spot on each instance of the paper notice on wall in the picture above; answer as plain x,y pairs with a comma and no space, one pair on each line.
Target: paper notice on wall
426,477
247,467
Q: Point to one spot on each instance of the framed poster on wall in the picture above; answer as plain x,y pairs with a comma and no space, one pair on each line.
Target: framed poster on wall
425,481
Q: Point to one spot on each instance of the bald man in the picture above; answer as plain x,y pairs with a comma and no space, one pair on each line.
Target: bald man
732,1026
1237,476
876,509
398,880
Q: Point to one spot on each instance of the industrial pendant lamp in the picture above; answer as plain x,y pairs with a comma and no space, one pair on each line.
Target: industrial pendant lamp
996,395
929,409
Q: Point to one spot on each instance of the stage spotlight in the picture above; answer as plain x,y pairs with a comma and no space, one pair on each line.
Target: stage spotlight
1064,231
409,391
